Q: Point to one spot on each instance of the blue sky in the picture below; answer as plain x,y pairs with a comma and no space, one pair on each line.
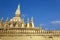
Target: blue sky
45,12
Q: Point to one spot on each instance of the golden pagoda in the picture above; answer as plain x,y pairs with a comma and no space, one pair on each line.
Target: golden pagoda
17,29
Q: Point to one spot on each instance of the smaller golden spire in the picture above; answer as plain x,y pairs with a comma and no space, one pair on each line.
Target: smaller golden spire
1,23
23,23
7,19
28,23
31,19
1,19
32,23
6,24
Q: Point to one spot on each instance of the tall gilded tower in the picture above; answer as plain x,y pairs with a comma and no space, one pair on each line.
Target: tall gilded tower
17,29
17,13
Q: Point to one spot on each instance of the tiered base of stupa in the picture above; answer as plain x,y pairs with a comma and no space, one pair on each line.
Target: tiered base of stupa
28,34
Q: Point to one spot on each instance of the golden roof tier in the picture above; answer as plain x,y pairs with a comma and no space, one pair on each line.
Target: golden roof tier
17,21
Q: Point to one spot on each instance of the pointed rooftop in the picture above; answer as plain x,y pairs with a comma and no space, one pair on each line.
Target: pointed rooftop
17,13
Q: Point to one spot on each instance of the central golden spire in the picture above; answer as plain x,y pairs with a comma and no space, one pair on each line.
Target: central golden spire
17,13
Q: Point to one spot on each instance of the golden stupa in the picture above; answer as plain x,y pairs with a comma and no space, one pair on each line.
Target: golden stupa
17,29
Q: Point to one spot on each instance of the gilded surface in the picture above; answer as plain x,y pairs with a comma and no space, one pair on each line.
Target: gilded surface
17,29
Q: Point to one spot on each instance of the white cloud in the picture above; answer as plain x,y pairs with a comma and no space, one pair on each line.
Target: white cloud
55,22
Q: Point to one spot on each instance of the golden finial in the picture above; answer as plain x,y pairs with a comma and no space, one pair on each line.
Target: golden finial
1,18
7,18
28,20
32,19
18,11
